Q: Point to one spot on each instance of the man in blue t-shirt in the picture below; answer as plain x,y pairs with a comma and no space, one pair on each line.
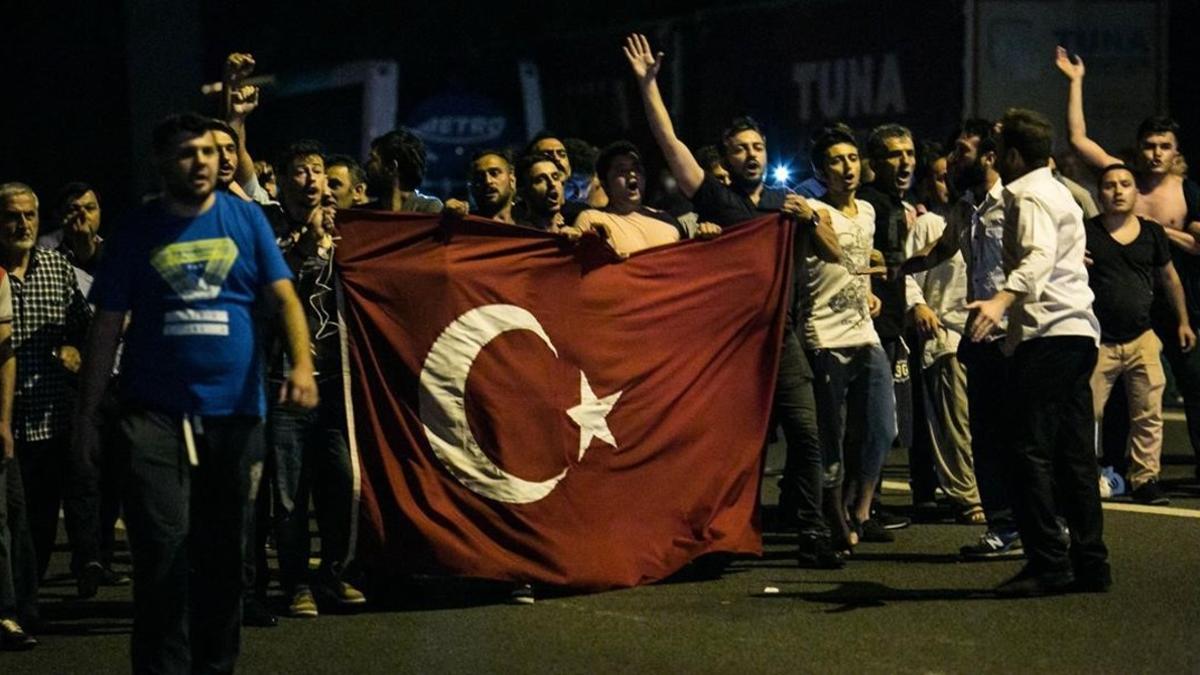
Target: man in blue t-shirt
189,270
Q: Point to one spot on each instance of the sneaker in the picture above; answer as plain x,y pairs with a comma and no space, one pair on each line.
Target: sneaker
340,593
522,594
1150,492
303,605
88,580
112,577
875,531
816,553
256,614
888,520
994,545
13,638
1029,582
1112,484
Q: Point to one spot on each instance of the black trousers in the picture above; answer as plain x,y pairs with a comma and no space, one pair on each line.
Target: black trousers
1053,453
990,400
53,476
795,408
18,562
185,534
1185,367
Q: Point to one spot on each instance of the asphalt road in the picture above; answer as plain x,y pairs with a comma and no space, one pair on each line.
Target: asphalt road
907,607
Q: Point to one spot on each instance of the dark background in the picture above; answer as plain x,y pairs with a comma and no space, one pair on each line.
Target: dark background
74,70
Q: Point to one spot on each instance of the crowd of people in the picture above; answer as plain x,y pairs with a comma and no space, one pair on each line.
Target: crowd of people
965,301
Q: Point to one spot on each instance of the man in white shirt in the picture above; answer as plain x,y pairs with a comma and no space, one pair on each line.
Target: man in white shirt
844,349
1053,337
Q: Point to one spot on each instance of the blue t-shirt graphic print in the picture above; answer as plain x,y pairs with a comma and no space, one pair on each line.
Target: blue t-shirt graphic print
191,285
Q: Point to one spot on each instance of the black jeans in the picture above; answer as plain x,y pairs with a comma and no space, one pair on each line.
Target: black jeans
311,453
795,408
1054,453
185,534
989,401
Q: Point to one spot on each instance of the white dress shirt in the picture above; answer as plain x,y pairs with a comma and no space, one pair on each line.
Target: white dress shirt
1044,243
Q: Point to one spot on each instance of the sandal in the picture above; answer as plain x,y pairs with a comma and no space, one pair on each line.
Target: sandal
972,515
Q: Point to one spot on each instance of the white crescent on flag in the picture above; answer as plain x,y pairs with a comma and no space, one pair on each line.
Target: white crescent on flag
442,405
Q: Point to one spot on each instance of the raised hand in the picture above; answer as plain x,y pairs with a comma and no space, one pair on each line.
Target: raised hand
644,62
1071,66
243,100
238,66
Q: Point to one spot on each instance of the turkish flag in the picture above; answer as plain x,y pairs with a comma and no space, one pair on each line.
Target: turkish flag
527,409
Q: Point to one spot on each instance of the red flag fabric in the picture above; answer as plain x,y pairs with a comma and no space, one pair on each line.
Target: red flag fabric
527,409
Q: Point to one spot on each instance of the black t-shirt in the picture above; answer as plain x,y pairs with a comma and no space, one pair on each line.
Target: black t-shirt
1123,277
891,232
725,206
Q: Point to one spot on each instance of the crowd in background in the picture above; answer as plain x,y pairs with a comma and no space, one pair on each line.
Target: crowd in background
960,298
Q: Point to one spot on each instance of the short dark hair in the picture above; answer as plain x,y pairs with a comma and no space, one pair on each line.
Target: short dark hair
215,124
877,140
1029,133
582,155
983,129
525,164
538,138
826,138
736,126
407,150
1159,124
357,175
502,153
72,191
611,152
928,152
180,123
294,151
1118,166
708,157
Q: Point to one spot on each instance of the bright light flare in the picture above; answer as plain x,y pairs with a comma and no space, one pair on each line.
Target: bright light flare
782,174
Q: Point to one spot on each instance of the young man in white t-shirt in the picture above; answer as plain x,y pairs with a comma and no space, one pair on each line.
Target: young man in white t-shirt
849,365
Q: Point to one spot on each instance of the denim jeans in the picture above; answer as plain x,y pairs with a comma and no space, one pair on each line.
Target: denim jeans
185,534
854,379
311,454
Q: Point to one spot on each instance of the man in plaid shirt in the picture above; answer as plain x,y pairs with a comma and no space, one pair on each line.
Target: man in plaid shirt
50,319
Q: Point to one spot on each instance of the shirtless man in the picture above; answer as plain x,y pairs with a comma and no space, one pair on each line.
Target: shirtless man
1168,198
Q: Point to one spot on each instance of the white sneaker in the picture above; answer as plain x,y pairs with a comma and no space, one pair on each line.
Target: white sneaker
1112,484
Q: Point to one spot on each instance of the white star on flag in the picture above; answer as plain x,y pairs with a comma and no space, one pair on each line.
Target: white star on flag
591,414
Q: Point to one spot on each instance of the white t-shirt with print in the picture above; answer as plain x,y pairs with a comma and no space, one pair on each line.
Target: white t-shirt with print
834,308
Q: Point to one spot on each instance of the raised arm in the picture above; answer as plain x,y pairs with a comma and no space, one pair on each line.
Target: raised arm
1089,150
645,65
240,101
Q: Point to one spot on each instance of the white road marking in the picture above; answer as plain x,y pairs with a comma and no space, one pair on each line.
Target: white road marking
900,486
